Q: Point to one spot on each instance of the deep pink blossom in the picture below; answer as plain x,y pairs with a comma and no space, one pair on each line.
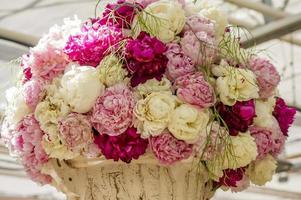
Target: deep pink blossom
168,149
29,137
119,14
125,147
194,89
112,113
93,43
238,117
285,115
266,74
145,58
178,63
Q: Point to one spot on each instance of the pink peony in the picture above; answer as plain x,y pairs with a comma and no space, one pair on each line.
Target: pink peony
168,149
27,75
144,3
93,43
178,63
112,113
266,74
120,14
195,90
33,156
45,61
200,47
264,140
238,117
76,132
232,177
145,58
198,23
33,92
125,147
285,115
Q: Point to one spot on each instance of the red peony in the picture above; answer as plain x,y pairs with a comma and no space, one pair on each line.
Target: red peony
145,58
238,117
125,147
231,177
285,115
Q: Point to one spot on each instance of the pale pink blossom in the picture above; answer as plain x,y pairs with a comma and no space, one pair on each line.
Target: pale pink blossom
266,74
33,92
178,63
168,149
194,89
28,142
112,113
76,132
200,47
198,23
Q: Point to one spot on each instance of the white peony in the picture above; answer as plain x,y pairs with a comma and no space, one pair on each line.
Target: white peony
81,87
235,84
264,113
153,85
187,123
219,17
163,19
241,151
153,113
262,171
16,108
111,71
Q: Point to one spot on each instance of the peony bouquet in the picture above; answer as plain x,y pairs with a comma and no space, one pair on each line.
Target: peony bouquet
167,79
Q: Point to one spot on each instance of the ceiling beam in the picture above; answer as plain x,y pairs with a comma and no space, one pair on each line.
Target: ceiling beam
273,30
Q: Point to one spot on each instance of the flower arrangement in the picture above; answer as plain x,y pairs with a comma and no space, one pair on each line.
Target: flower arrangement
149,77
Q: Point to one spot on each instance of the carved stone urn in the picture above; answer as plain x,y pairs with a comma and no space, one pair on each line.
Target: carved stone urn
143,179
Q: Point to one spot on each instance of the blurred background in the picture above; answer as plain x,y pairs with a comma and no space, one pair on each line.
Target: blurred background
273,23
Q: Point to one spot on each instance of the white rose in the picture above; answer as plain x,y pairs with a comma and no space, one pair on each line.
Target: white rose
163,19
241,151
153,85
81,87
235,84
153,113
187,122
16,108
262,171
111,71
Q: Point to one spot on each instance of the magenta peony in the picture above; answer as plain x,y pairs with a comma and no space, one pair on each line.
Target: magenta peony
285,115
125,147
178,63
168,149
119,14
33,92
195,90
238,117
76,132
266,74
198,23
264,140
28,142
112,113
27,75
93,43
145,58
200,47
231,177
